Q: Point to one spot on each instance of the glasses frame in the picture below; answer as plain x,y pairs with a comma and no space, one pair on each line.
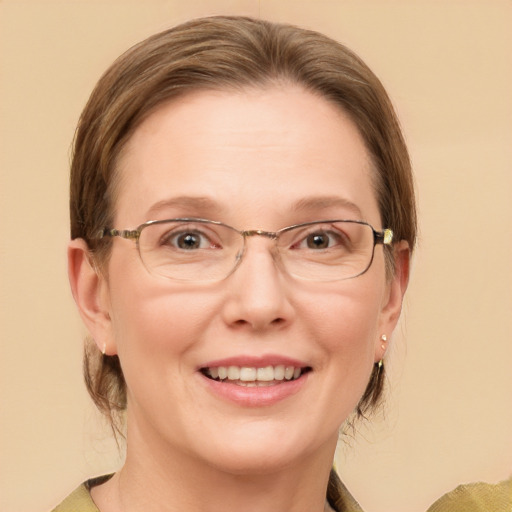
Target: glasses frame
384,237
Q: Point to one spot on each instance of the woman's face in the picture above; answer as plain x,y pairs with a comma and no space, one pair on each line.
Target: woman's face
259,159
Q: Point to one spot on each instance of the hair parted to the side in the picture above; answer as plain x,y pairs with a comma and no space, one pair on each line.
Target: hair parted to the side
222,53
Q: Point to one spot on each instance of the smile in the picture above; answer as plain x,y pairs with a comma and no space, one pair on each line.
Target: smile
254,376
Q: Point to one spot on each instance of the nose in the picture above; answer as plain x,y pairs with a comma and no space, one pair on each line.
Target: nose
258,291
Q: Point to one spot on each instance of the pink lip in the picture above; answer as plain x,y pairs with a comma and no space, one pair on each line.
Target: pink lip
255,361
254,396
262,396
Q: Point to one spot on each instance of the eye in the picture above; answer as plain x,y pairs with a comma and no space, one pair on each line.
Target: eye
188,239
320,238
318,241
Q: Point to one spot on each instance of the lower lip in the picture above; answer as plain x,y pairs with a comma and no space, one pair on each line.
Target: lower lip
263,396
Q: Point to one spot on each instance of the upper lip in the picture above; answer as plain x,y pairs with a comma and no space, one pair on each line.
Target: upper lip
255,361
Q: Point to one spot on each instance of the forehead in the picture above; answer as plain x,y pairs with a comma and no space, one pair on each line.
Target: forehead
250,153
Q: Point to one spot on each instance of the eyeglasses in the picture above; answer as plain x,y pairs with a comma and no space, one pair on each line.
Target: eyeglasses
205,250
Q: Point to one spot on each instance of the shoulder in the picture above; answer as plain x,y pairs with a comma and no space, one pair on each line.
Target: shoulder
338,496
478,497
80,499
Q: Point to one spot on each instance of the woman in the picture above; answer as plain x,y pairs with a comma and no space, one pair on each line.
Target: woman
242,220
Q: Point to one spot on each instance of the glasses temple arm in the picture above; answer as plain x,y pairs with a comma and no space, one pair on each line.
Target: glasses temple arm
132,234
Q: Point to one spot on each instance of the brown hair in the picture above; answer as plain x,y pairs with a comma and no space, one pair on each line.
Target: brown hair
226,53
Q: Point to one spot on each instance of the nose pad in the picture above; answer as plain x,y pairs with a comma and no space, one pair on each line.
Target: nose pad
238,259
274,251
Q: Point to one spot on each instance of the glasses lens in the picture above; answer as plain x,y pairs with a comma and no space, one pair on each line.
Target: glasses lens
327,251
189,250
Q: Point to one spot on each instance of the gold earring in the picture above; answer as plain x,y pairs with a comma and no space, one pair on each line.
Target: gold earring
383,338
104,348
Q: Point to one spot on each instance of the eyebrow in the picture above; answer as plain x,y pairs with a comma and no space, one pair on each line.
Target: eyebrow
205,206
196,205
325,202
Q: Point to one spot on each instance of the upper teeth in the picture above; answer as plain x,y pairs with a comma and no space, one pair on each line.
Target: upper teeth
251,374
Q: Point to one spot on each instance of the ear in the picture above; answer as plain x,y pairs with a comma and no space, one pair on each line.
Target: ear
90,291
393,297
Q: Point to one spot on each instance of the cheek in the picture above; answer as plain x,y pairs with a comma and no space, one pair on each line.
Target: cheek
344,323
157,320
151,318
158,336
347,315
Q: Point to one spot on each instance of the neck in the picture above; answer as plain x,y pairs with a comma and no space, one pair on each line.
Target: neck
170,481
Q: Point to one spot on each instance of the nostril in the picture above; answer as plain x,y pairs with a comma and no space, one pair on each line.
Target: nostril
276,322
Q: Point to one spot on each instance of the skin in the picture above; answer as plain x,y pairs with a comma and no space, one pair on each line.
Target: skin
254,154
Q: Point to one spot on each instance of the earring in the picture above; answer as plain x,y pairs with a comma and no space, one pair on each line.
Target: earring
104,348
383,338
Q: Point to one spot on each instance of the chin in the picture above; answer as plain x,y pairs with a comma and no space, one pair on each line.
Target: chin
255,464
263,452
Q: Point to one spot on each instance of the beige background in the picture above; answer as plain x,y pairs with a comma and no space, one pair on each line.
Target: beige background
447,65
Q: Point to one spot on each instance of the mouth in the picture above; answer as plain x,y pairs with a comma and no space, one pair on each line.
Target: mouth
252,376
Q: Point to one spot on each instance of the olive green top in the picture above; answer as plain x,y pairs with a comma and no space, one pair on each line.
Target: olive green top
80,499
479,497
